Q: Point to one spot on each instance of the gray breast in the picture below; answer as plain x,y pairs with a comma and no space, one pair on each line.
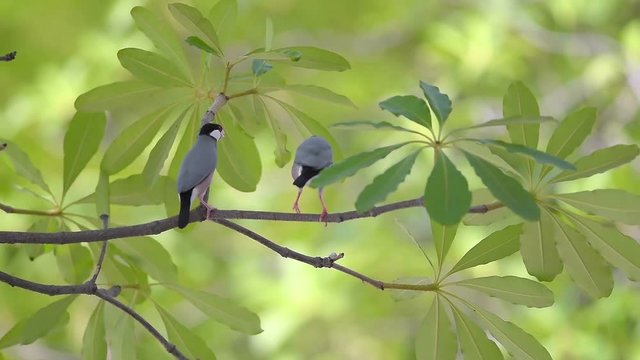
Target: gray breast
199,163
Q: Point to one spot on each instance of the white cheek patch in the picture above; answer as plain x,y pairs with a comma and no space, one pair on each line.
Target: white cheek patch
217,134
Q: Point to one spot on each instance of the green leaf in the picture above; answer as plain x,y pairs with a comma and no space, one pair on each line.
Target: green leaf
613,204
44,224
402,294
223,16
198,25
187,341
200,44
352,164
239,159
585,266
312,58
39,324
501,215
619,249
282,154
435,339
133,191
225,311
385,183
260,67
519,343
320,93
439,103
102,195
513,289
515,161
122,339
150,256
152,68
505,188
80,144
473,340
537,155
94,345
443,236
446,195
599,161
409,106
538,249
132,141
119,95
496,246
189,135
519,101
161,150
268,34
74,261
512,120
377,125
23,165
161,34
315,128
571,132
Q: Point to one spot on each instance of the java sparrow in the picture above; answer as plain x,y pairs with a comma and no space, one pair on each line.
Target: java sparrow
312,156
196,171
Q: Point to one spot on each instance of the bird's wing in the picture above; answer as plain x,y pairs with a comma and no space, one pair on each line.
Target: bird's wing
314,152
199,163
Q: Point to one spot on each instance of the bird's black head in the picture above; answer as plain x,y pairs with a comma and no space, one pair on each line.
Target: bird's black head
214,130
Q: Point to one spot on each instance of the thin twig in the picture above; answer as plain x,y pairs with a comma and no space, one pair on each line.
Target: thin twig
160,226
103,250
8,57
11,210
91,289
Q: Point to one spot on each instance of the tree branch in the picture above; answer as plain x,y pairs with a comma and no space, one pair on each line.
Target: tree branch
160,226
91,289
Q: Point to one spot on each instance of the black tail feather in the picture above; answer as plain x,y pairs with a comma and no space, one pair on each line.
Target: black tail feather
185,207
305,176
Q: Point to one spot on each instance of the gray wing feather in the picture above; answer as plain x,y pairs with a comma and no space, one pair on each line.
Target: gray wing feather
314,152
199,163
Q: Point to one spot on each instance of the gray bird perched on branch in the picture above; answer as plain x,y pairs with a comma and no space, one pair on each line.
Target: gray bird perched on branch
196,171
312,156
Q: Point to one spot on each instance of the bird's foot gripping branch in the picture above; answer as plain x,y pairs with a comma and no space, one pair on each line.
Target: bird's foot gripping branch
551,231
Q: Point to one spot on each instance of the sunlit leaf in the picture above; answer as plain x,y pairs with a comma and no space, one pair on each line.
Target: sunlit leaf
260,67
162,36
132,190
496,246
198,25
537,155
513,289
614,204
446,195
519,101
570,134
152,68
23,165
39,324
161,150
320,93
268,34
312,58
225,311
128,94
282,154
385,183
409,106
538,249
150,256
439,102
599,161
94,345
443,236
377,125
352,165
519,343
46,224
512,120
122,339
187,341
239,159
200,44
130,143
80,144
585,266
74,261
505,188
223,16
435,338
619,249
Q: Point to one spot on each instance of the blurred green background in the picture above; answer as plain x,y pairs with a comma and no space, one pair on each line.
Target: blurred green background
571,53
